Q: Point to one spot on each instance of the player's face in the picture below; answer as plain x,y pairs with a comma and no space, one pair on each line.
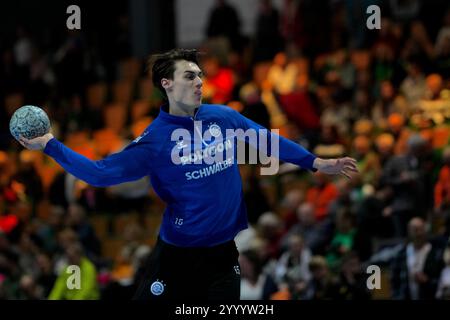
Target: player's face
186,86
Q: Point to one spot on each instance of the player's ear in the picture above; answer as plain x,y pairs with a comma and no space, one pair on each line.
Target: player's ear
166,83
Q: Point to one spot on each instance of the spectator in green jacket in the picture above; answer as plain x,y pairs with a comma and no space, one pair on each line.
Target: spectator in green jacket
68,287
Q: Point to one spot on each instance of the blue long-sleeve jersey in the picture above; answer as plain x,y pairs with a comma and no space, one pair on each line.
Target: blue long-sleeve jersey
205,203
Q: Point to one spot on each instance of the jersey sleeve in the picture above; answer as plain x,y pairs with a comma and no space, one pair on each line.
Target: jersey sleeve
285,150
130,164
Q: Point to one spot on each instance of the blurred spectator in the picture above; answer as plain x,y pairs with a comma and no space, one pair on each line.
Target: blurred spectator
224,21
130,196
338,28
323,285
434,84
343,239
41,77
255,199
123,43
337,114
282,74
416,269
405,11
418,44
289,204
355,18
388,103
413,87
69,59
401,133
76,219
28,250
255,284
48,231
389,35
301,108
74,119
321,195
134,248
65,237
254,107
434,106
268,39
277,117
292,266
313,233
330,143
362,103
271,228
372,223
218,82
23,48
128,265
443,289
367,160
352,279
11,79
291,28
442,186
29,290
351,195
261,247
46,277
10,272
340,61
384,147
442,46
28,177
246,238
88,289
405,176
384,63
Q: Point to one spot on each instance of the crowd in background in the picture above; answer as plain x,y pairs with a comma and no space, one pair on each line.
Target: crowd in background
312,70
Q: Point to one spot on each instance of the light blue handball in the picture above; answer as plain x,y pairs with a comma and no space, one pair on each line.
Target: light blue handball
29,122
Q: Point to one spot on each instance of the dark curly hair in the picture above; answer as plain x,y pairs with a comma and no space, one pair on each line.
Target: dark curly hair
163,65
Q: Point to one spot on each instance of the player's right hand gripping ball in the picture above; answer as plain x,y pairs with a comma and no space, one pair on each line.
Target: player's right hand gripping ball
29,122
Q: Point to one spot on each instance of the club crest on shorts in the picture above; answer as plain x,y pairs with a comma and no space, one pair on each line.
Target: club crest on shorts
157,288
237,270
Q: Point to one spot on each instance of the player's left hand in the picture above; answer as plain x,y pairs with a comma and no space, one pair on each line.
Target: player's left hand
344,166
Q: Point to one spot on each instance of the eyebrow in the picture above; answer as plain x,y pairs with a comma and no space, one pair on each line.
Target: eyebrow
192,72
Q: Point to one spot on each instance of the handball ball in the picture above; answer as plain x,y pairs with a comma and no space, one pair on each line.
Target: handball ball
29,122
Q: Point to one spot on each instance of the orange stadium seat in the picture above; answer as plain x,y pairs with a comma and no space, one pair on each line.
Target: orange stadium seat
145,89
115,116
139,109
106,141
96,95
139,126
130,69
123,92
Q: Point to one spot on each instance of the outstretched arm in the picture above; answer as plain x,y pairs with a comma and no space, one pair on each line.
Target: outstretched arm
292,152
130,164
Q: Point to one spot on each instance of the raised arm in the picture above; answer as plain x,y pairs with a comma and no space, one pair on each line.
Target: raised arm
130,164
